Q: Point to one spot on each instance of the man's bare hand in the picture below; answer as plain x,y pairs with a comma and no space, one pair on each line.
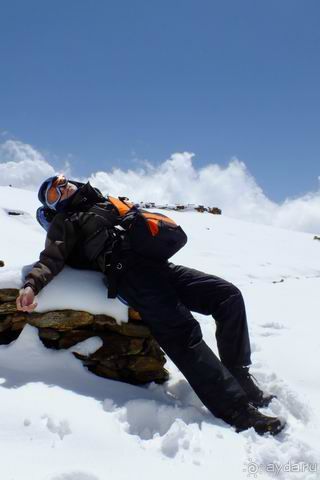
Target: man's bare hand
25,300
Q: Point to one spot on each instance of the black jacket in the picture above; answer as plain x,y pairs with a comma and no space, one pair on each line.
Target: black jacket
78,237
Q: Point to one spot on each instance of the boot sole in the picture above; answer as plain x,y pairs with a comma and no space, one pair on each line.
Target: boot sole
273,429
262,404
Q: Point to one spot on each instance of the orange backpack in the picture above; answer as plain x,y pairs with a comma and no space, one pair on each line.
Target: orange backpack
152,235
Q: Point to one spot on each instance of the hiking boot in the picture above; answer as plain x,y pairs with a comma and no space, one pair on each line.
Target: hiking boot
245,416
249,384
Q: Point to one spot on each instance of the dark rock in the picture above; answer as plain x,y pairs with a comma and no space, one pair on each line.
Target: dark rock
18,326
61,320
49,334
5,323
49,337
131,329
200,208
106,372
146,369
72,337
129,352
114,345
7,308
8,295
13,212
215,210
19,320
133,314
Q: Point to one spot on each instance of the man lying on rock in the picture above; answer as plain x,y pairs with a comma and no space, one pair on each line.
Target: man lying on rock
83,233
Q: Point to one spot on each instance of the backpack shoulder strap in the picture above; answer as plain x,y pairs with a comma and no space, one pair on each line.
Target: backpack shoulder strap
121,204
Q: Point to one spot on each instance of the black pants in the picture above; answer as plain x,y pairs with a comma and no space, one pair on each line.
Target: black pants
165,294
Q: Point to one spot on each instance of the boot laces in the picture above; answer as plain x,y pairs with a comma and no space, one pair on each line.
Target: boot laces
252,380
252,411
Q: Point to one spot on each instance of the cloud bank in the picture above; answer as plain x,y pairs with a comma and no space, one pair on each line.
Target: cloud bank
22,166
231,188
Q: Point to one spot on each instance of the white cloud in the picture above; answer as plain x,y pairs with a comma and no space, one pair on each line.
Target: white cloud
22,166
231,188
301,213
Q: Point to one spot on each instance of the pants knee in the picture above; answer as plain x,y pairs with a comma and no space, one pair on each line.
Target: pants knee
230,301
234,291
230,292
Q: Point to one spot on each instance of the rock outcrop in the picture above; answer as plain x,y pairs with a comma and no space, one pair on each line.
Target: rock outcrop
129,352
182,207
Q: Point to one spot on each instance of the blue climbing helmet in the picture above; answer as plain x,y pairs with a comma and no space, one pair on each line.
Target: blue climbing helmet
49,194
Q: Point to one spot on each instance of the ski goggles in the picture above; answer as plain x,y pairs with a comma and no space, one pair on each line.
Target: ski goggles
54,190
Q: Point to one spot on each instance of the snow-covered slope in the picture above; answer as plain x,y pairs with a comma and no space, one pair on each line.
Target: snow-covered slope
60,422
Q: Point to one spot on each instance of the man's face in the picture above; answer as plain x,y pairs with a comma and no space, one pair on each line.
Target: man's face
68,190
58,189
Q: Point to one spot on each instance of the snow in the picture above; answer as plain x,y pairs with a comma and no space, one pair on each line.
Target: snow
63,423
87,347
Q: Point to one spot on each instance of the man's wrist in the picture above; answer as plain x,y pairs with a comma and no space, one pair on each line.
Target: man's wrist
28,284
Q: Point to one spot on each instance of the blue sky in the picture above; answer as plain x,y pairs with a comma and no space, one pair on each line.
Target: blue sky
110,82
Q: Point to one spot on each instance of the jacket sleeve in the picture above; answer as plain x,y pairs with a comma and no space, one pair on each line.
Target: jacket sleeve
61,238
